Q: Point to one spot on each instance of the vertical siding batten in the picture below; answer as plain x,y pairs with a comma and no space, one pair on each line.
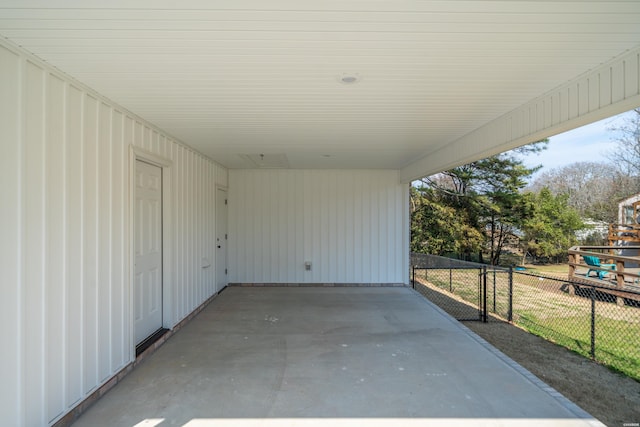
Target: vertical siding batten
117,265
104,239
341,234
196,236
74,170
323,212
631,76
188,221
55,248
34,248
11,84
191,276
182,232
89,253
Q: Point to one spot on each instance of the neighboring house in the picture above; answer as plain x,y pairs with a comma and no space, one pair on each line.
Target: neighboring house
629,210
627,232
601,228
151,156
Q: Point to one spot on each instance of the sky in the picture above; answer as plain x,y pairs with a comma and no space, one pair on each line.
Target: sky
587,143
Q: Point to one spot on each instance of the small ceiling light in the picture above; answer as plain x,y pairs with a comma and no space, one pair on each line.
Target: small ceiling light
349,79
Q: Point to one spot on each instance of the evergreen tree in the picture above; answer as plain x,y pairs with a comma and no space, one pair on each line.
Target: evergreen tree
438,228
550,228
479,204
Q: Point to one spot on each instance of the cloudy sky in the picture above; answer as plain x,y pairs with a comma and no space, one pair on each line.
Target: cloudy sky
588,143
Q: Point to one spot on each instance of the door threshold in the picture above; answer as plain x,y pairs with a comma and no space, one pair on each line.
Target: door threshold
140,348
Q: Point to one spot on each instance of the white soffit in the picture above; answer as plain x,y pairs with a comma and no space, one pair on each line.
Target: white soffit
234,79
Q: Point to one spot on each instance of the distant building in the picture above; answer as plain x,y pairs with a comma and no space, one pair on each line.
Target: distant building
601,228
627,231
629,210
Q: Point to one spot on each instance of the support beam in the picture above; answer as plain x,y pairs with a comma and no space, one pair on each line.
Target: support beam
605,91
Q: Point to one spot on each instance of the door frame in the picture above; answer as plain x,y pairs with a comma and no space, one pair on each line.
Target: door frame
136,153
226,244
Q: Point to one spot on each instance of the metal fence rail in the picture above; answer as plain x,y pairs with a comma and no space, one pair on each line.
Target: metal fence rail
584,317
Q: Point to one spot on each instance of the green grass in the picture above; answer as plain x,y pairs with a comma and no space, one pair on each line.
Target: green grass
542,308
613,348
553,269
463,283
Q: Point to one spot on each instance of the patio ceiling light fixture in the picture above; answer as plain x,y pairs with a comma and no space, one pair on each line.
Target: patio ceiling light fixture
349,79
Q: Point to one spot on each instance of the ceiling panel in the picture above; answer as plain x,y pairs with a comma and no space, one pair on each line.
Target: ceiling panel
236,79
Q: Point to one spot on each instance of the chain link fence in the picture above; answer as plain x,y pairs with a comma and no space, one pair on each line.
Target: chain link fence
599,322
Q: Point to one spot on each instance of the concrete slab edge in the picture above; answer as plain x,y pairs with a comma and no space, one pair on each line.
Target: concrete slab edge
559,397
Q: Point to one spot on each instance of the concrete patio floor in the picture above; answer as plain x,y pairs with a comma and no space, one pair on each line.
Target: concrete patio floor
263,356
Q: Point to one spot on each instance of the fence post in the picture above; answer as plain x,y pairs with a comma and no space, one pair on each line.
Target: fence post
413,280
510,308
484,291
593,323
480,294
450,280
573,260
494,290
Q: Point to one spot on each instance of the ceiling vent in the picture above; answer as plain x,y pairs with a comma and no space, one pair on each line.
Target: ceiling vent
267,161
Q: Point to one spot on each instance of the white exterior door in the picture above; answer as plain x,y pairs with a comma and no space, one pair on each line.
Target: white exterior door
148,251
221,239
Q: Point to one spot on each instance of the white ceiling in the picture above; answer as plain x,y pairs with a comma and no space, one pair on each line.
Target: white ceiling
238,78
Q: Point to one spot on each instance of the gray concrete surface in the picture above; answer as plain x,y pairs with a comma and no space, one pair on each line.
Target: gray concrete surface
329,356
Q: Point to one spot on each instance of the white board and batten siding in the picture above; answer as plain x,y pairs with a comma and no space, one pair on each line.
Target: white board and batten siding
352,225
65,246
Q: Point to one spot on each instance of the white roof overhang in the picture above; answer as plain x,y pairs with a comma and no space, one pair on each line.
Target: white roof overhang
416,86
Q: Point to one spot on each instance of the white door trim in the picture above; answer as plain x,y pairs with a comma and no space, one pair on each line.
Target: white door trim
166,165
225,242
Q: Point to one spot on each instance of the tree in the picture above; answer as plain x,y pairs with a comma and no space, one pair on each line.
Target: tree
626,155
485,197
437,228
501,179
592,188
549,229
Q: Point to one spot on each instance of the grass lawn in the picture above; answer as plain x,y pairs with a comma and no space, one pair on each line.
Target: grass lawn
553,269
543,307
614,347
